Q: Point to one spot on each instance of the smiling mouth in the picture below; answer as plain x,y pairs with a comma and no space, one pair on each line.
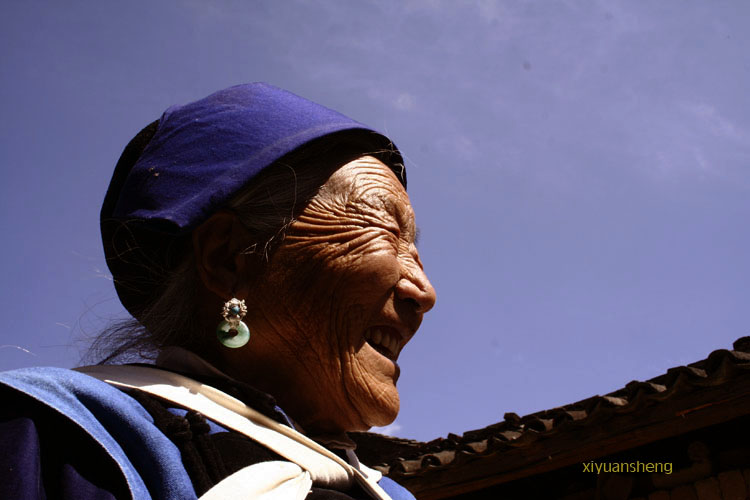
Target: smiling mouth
385,340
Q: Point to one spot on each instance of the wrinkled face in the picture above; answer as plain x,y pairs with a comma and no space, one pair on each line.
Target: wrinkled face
343,294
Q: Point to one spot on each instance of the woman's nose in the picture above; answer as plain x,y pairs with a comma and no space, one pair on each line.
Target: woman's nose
414,286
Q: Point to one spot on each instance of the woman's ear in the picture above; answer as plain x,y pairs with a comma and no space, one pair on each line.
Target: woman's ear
219,245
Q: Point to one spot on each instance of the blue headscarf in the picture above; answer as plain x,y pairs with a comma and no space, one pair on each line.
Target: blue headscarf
181,169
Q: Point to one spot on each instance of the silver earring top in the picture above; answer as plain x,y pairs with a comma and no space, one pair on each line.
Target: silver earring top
233,312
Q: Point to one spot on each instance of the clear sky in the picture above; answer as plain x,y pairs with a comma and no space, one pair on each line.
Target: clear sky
580,172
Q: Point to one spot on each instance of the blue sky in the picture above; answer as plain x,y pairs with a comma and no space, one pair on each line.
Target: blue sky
580,172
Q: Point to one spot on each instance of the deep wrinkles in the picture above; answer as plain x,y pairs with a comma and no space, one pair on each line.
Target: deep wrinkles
331,242
322,219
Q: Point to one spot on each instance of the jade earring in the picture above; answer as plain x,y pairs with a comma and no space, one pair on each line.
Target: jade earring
233,332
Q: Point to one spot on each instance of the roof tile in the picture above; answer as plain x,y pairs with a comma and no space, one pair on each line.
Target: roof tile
515,431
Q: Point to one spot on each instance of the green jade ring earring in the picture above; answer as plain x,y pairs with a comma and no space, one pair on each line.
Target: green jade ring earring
233,332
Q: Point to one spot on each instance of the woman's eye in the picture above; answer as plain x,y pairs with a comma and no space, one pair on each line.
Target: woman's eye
391,229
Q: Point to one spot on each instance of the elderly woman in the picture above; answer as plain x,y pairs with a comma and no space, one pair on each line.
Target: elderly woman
265,246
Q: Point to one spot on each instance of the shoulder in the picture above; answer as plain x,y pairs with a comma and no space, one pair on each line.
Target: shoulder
106,419
71,393
395,490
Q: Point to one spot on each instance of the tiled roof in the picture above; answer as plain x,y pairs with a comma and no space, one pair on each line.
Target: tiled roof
654,402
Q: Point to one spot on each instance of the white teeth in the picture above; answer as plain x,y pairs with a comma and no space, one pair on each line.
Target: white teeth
377,336
392,344
385,340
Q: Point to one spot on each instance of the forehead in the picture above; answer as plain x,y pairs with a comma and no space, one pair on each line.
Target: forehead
367,177
367,186
364,193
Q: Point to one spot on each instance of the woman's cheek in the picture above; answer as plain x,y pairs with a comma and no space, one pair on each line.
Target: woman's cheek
376,269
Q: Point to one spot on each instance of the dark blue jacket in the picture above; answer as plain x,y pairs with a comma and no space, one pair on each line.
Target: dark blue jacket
67,435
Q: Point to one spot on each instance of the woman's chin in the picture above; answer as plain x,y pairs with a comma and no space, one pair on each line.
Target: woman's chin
383,410
383,420
374,388
364,414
